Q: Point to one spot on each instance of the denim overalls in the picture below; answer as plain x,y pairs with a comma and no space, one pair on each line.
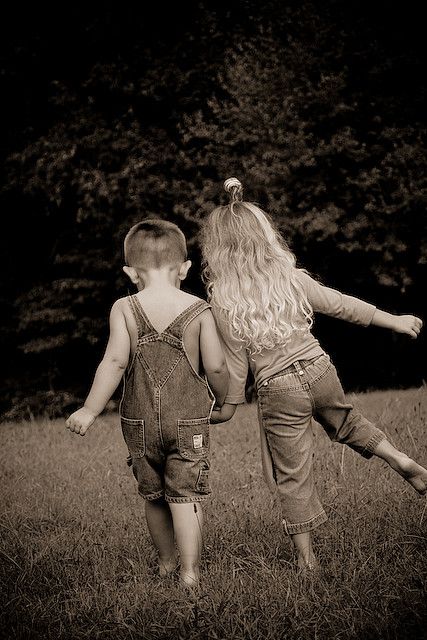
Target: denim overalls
165,411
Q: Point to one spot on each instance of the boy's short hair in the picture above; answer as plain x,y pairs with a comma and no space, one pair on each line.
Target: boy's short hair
153,243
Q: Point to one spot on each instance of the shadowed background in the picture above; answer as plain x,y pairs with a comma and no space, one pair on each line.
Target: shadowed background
116,112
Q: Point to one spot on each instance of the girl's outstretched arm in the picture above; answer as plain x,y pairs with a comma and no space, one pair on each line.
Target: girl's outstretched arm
336,304
339,305
108,374
411,325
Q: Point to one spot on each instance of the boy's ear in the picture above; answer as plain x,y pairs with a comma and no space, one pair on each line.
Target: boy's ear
132,274
183,270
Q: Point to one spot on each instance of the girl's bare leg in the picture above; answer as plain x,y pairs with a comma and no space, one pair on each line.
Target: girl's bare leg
304,547
188,523
410,470
160,526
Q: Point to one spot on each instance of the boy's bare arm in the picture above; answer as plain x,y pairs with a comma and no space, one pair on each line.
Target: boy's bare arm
108,374
213,358
411,325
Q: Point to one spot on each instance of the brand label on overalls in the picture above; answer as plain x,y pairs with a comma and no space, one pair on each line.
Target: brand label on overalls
198,441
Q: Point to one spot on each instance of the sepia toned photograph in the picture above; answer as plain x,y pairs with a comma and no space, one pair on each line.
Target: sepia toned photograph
213,295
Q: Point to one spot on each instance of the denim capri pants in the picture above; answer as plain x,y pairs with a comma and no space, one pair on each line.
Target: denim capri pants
287,402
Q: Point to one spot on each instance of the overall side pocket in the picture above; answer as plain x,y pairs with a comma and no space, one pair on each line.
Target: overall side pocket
193,438
202,484
134,435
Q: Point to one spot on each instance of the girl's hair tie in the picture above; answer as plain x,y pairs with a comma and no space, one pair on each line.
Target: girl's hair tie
234,188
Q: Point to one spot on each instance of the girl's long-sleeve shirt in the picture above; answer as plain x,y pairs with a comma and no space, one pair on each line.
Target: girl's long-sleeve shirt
302,345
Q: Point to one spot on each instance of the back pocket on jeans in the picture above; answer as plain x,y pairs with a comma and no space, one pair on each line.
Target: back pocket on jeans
193,438
134,435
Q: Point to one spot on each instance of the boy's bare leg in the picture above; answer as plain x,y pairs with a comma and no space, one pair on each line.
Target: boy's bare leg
160,526
188,523
304,547
410,470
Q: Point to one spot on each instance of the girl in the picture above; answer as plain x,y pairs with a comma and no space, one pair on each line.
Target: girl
264,310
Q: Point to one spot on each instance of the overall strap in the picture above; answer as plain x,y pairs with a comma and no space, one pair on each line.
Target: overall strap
179,325
143,325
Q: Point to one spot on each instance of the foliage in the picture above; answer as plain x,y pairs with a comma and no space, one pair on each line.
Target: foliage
302,103
292,129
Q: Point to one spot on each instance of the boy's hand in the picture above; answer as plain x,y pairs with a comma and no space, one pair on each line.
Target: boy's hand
411,325
223,414
80,421
216,416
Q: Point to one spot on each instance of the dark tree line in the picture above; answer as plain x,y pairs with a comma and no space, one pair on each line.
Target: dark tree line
117,113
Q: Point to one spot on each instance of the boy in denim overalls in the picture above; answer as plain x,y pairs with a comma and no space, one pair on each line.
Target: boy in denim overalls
165,342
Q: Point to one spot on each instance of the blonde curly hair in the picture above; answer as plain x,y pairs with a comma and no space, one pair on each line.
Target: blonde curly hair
251,275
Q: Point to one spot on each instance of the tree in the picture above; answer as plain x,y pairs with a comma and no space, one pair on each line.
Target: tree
302,103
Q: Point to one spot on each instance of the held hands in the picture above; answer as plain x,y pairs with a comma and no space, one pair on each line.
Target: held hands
222,414
216,416
411,325
80,421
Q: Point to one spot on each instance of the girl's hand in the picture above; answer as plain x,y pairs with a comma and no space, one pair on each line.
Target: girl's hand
411,325
80,421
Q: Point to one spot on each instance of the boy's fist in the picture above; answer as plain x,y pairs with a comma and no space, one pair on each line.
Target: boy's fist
80,421
411,325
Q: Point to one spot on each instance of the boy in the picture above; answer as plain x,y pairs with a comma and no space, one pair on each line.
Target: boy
163,337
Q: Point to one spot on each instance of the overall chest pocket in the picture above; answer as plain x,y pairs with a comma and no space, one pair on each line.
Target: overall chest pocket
134,435
193,438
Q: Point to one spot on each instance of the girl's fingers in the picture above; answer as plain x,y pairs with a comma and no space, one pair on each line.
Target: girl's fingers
417,326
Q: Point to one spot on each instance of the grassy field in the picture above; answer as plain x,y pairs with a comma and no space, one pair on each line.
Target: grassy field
77,561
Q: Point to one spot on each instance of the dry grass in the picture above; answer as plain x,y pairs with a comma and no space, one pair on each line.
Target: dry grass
77,561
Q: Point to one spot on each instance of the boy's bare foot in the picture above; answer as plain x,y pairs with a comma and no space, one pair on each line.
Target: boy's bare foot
167,566
412,472
190,583
189,579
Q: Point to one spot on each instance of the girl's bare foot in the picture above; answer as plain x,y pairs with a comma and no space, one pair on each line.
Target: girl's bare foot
308,565
307,562
412,472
